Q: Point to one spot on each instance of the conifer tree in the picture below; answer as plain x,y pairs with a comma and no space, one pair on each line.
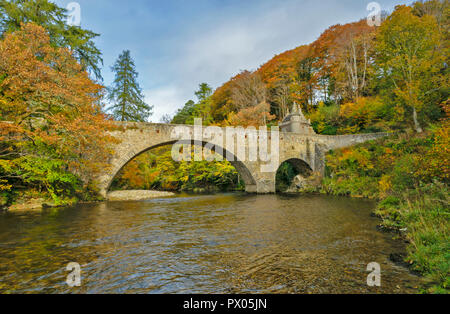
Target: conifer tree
125,94
14,13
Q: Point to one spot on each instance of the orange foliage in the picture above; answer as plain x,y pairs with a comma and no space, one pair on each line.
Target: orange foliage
282,66
47,97
222,102
252,116
343,53
362,112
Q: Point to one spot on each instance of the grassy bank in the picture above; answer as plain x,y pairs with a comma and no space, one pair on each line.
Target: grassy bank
409,175
423,217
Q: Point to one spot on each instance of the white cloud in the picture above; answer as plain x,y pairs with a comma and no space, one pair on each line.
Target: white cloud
166,100
222,50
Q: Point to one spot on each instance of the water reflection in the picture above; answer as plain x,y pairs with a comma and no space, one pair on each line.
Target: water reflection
231,243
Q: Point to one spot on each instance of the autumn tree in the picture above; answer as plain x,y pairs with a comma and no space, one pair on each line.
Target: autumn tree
255,116
53,18
353,58
279,76
282,98
305,83
248,90
440,9
125,94
408,58
222,100
52,130
249,96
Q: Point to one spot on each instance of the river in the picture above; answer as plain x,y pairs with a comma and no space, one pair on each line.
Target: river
224,243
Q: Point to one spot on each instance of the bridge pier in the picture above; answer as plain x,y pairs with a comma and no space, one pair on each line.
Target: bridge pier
265,187
256,181
251,189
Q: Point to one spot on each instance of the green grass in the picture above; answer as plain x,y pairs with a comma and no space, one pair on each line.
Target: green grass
425,220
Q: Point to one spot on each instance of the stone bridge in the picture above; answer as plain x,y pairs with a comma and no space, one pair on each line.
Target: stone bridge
301,147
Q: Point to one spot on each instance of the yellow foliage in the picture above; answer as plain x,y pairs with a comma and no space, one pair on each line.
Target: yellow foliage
362,113
436,162
4,186
385,185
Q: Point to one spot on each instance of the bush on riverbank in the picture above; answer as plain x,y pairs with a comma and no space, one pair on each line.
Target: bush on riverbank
409,174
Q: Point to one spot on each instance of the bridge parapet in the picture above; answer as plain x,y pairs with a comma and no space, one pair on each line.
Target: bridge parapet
332,142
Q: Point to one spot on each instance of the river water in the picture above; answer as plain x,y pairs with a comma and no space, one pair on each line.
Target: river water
226,243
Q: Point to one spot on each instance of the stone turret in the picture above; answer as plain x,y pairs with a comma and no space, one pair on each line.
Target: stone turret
296,122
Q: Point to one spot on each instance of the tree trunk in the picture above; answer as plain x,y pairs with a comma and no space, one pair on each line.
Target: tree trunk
416,121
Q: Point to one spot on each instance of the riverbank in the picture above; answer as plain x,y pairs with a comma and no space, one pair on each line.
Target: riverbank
35,204
136,195
32,202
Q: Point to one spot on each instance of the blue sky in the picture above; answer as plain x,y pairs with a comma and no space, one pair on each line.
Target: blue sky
178,44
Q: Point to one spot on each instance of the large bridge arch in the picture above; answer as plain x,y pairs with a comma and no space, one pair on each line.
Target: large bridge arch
119,162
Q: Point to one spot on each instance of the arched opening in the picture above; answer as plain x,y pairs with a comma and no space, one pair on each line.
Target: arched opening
292,175
155,169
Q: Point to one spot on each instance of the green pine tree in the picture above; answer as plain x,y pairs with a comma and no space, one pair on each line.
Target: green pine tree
192,110
204,91
125,93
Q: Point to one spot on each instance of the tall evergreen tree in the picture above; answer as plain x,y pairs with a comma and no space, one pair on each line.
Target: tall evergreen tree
185,114
125,93
14,13
204,91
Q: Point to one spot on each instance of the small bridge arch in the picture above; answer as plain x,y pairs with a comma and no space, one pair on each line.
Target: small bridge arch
300,166
286,176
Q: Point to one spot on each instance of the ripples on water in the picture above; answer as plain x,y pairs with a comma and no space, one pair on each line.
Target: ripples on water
229,243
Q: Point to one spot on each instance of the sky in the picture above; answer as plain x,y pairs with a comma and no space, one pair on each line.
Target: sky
178,44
